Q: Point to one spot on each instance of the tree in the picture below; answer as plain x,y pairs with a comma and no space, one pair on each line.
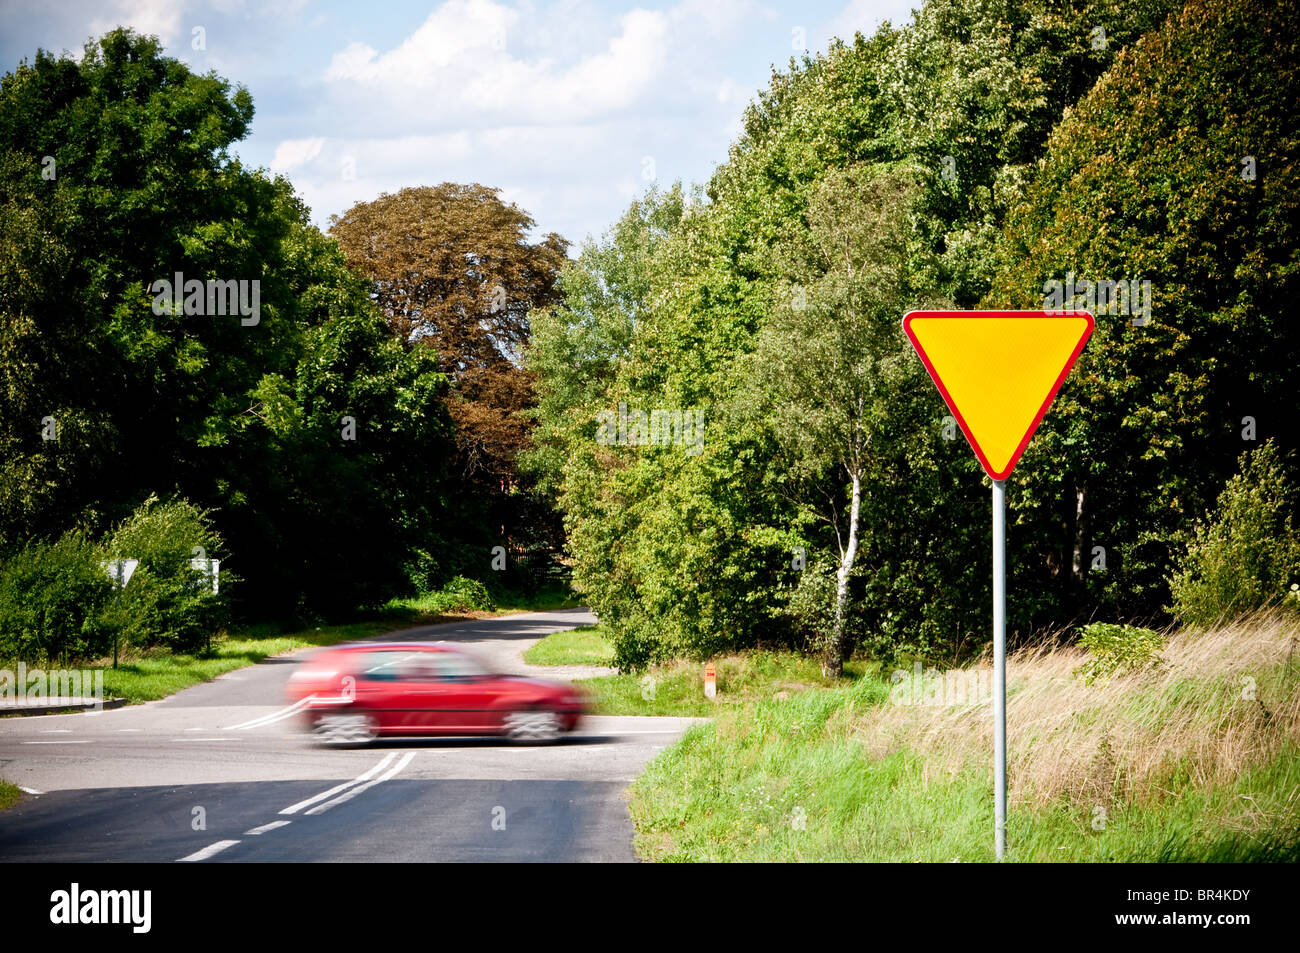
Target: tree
1177,169
1247,553
451,265
693,555
452,269
115,173
831,362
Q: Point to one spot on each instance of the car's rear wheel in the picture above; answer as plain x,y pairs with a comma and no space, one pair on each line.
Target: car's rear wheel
344,729
533,726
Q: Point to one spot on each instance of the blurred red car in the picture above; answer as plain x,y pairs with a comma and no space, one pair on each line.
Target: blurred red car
356,693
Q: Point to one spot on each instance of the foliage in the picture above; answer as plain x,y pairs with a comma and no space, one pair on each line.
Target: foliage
1117,648
1147,179
246,420
1247,554
51,600
168,601
467,594
688,297
453,272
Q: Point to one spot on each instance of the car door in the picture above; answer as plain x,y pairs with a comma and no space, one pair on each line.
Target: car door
469,694
401,689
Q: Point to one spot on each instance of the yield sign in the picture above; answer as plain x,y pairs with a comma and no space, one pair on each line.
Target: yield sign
998,371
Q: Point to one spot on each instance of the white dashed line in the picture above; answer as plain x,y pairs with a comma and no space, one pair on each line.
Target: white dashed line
56,742
226,738
208,851
267,827
348,795
57,731
295,808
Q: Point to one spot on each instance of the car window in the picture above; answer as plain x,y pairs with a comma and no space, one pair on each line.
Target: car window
456,665
389,666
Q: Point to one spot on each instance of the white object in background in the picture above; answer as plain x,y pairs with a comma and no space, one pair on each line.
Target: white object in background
209,567
120,570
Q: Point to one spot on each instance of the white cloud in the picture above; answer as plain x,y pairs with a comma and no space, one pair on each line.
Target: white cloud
865,15
468,62
292,153
162,18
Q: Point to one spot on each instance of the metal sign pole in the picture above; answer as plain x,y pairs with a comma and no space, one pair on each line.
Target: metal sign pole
1000,668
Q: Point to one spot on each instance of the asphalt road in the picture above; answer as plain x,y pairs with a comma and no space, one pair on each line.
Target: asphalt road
220,773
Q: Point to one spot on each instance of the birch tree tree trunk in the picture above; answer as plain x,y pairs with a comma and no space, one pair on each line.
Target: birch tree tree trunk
833,660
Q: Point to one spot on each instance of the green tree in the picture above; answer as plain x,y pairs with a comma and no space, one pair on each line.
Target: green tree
1179,169
831,364
1247,553
110,397
52,597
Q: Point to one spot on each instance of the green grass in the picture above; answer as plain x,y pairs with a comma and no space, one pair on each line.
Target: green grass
437,603
790,780
677,688
585,646
9,795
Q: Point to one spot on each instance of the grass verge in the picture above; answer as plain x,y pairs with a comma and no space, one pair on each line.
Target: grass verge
677,688
9,795
585,646
1194,760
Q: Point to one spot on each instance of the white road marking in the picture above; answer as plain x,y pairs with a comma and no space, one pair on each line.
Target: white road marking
274,716
649,731
226,738
130,729
208,851
348,795
28,790
57,731
56,742
295,808
268,827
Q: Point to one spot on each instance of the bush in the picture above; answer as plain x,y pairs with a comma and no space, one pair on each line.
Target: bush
51,601
1115,648
463,595
167,602
1246,556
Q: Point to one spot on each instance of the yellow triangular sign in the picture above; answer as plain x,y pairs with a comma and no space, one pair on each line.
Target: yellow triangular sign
998,371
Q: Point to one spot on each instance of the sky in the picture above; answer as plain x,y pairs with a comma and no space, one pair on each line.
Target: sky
571,108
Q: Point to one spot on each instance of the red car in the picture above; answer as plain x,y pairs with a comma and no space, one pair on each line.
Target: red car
353,694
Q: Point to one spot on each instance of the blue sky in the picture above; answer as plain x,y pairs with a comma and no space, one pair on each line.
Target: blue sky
572,107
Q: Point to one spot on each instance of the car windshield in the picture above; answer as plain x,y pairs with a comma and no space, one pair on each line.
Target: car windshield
419,665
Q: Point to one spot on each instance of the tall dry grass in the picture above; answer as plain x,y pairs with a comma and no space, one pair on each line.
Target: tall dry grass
1217,703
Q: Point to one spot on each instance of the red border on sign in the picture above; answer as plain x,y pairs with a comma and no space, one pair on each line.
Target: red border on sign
1051,395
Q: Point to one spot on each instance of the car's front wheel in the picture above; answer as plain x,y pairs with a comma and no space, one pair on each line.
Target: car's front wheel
533,726
344,729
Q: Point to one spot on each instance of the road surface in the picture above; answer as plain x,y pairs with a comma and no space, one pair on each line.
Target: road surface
221,773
